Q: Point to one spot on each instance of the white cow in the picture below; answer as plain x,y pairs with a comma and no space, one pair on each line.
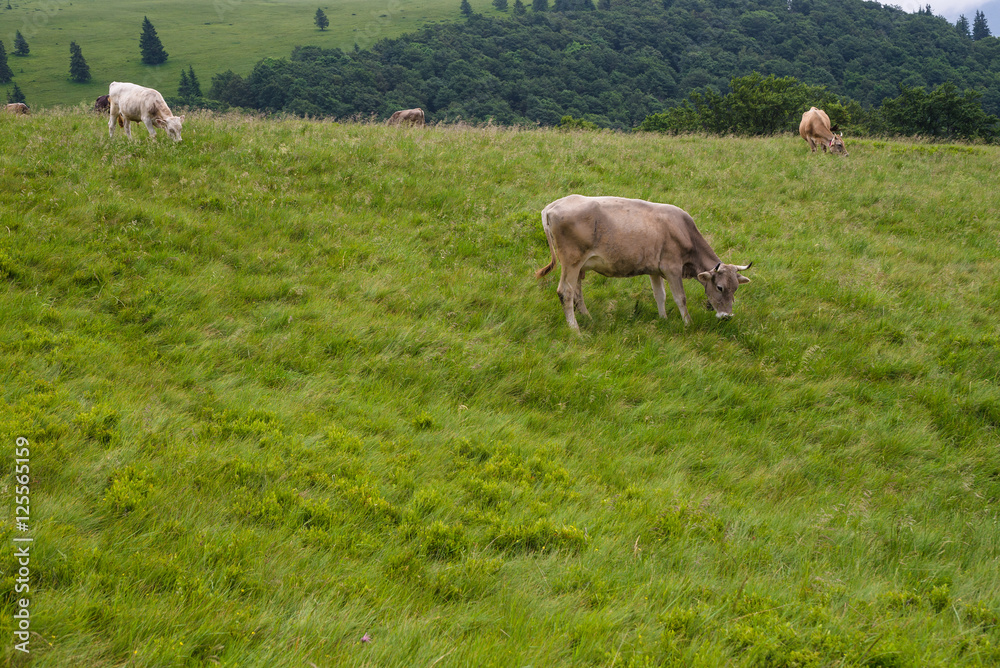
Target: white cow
141,104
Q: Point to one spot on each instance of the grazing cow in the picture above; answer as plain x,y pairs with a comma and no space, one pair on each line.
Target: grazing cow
139,104
815,129
18,109
407,117
620,237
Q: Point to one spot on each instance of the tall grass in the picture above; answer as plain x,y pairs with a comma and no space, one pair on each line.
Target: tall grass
290,384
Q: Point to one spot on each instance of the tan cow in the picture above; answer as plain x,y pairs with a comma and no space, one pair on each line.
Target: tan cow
18,109
140,104
620,237
815,129
407,117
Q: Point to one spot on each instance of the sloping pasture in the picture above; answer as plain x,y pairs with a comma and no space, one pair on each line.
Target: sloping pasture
294,397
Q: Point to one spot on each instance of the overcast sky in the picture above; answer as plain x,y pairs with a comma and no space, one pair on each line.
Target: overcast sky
952,9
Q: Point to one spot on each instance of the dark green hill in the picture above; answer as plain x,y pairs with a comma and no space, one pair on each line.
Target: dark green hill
617,66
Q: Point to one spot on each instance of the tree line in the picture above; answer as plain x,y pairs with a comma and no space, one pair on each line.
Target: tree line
758,105
618,62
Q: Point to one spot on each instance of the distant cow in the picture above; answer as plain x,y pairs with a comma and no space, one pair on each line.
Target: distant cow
140,104
620,237
18,108
408,117
103,105
815,129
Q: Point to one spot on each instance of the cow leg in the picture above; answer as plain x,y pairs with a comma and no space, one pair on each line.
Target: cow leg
149,126
111,121
578,300
677,290
567,291
659,294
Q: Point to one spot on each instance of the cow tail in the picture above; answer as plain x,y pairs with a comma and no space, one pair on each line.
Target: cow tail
552,245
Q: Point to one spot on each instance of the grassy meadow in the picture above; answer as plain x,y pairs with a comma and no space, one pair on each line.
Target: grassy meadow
211,37
294,397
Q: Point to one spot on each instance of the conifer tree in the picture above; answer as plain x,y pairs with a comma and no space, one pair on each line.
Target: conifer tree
979,28
500,5
20,45
539,5
962,25
321,21
184,87
6,74
193,82
79,71
604,4
466,8
15,95
519,8
150,46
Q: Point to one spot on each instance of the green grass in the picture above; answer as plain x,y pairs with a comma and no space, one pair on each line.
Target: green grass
211,37
288,383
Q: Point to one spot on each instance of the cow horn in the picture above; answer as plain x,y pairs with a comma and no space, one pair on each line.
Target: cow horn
716,269
744,267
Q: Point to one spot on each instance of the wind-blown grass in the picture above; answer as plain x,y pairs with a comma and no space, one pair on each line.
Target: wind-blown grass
289,383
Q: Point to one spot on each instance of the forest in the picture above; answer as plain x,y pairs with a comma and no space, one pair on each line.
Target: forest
617,66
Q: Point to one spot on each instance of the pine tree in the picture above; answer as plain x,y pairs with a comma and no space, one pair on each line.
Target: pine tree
979,28
184,87
20,45
962,25
79,71
6,74
539,5
604,4
466,8
15,95
321,21
193,83
519,9
500,5
150,46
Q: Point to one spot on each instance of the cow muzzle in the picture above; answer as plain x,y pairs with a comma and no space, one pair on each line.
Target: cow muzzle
723,316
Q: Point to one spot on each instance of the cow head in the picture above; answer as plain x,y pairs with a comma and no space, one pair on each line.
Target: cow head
172,125
837,144
720,287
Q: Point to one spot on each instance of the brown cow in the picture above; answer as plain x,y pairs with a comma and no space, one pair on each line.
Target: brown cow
620,237
407,117
130,102
18,109
103,105
815,129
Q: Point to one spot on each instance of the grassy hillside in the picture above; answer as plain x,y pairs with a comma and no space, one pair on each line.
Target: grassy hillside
294,397
209,36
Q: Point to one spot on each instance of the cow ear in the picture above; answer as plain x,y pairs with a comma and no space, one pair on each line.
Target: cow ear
160,123
181,118
742,279
705,277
